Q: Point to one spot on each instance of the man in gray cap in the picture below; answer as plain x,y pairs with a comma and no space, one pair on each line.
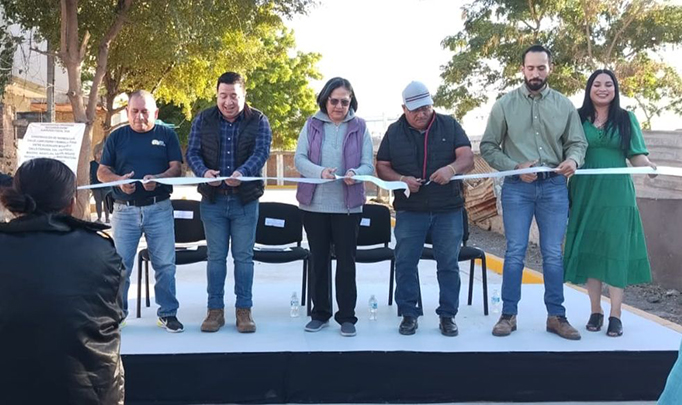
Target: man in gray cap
425,149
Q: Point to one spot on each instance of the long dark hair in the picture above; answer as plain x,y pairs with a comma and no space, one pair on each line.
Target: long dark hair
40,185
332,85
618,121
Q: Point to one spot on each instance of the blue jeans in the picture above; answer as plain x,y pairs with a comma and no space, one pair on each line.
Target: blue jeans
223,220
156,222
446,233
547,200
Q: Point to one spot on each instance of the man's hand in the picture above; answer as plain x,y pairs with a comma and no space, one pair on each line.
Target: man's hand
347,179
567,168
130,187
443,175
530,177
231,181
412,183
150,186
328,173
212,174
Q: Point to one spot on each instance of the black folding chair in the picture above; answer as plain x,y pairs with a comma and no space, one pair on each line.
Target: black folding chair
375,229
188,229
279,225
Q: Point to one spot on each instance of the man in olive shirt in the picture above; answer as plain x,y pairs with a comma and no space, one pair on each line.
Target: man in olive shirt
534,126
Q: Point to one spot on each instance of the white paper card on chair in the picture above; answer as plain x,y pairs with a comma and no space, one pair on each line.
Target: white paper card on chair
277,223
365,222
183,214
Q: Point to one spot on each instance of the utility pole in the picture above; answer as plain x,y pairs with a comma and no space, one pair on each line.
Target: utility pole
50,83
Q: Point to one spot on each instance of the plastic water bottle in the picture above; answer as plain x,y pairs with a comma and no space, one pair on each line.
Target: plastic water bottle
373,306
496,301
294,305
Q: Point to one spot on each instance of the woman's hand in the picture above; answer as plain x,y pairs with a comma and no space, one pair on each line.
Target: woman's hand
642,161
347,179
653,166
329,173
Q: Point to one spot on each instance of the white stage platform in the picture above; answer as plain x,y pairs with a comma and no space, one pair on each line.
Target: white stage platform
278,332
281,363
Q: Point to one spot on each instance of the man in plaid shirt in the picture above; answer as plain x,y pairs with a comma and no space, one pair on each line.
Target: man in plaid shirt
230,139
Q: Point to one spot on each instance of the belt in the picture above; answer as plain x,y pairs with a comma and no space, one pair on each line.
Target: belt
547,175
227,191
144,201
541,175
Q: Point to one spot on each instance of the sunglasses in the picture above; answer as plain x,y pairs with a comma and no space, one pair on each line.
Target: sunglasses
344,101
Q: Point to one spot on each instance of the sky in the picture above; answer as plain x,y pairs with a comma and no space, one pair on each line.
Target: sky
382,45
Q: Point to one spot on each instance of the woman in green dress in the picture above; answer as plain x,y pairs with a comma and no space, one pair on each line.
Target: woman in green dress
604,240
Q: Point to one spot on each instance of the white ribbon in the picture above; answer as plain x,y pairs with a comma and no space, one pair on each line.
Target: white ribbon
662,170
393,185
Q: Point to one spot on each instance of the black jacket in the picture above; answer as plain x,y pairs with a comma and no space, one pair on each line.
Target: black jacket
60,309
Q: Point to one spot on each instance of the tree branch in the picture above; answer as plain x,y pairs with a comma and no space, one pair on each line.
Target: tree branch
84,45
62,30
634,10
588,34
163,75
647,123
533,14
103,54
40,51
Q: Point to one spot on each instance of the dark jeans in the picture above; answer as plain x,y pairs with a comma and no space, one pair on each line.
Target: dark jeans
447,231
341,230
98,194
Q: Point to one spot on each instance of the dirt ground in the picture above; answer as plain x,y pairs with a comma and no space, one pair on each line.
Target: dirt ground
652,298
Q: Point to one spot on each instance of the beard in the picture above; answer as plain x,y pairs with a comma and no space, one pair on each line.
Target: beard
535,84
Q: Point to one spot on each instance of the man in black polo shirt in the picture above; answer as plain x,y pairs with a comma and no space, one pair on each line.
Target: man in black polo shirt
148,151
425,149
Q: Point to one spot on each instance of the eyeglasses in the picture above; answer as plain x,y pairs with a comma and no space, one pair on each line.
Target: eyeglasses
422,110
344,101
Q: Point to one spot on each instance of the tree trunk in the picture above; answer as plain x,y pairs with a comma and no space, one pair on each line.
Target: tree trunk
73,53
83,175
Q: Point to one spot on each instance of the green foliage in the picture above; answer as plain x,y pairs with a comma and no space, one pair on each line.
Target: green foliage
8,45
277,84
177,48
279,87
623,35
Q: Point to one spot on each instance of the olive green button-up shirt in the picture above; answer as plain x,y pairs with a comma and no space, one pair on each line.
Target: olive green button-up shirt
523,128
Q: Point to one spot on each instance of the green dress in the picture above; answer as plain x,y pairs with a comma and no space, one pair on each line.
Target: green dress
604,239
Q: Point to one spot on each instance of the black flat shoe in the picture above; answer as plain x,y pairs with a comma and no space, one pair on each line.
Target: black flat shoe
595,323
615,328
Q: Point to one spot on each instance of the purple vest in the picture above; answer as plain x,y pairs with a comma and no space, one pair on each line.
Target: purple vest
354,195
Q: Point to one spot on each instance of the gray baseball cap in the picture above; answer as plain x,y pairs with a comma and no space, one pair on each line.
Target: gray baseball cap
416,95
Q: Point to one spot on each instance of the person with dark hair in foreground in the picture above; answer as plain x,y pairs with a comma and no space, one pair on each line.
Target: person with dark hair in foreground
60,296
605,239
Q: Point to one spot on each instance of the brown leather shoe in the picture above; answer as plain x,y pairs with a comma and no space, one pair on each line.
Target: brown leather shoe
505,326
560,326
214,320
245,323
